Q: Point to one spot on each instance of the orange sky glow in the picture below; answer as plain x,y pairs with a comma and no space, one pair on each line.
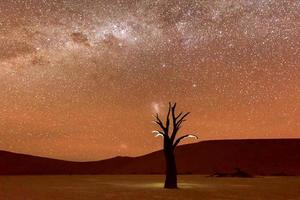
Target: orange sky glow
81,80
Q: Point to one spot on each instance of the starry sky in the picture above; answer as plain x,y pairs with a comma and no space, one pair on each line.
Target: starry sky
81,79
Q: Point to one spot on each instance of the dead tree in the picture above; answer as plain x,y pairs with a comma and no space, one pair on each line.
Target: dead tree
168,131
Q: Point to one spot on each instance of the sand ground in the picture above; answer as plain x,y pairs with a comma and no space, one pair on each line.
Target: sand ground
146,187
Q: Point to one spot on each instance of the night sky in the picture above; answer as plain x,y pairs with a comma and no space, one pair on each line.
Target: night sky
81,79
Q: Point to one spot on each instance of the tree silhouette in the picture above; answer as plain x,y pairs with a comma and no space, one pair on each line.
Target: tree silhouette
169,131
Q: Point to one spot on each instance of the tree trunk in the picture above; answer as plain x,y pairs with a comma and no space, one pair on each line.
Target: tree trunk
171,172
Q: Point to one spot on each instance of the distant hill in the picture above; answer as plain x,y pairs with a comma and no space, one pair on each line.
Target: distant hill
255,156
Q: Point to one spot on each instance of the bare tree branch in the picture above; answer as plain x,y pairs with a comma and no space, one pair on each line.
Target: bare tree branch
183,137
180,120
178,115
177,124
159,122
158,133
174,122
177,121
168,119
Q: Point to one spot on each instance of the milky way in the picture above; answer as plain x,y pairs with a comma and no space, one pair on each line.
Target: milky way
81,79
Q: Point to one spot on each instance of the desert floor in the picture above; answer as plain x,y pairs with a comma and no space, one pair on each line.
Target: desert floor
146,187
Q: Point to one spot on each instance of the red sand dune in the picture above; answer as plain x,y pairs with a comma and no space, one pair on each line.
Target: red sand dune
257,157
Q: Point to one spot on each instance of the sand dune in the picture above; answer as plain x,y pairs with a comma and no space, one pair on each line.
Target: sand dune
257,157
